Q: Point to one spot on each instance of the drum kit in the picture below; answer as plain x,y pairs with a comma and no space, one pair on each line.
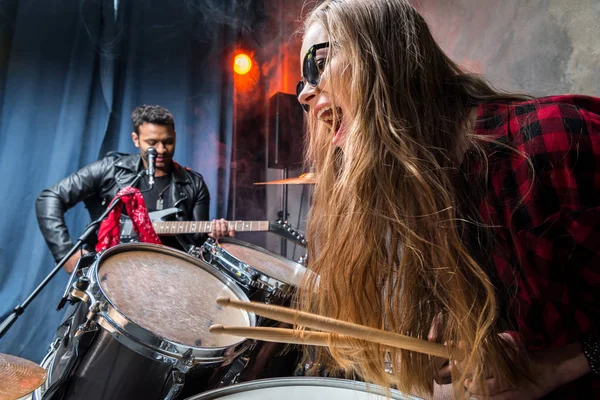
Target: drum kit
137,327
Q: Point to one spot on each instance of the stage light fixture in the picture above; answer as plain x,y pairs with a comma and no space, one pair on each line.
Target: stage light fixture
242,64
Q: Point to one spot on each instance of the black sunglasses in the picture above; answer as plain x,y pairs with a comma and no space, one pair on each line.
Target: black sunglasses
311,72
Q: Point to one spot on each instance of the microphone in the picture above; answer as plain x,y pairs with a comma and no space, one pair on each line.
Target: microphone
151,158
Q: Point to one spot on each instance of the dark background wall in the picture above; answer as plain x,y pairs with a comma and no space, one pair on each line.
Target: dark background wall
276,50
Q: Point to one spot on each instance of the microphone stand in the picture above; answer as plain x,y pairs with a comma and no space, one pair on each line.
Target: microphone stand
19,309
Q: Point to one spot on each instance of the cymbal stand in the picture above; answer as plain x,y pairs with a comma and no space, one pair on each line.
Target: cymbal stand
283,214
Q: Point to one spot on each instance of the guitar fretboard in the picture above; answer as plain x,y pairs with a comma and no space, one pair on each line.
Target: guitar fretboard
182,227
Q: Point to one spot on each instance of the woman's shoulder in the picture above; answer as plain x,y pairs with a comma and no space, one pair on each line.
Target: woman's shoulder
528,121
550,146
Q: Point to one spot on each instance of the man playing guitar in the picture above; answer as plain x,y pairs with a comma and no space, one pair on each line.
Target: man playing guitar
97,183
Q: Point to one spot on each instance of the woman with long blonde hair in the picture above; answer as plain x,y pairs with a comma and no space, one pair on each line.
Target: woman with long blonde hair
445,209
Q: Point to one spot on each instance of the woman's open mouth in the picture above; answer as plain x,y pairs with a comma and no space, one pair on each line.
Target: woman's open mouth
334,120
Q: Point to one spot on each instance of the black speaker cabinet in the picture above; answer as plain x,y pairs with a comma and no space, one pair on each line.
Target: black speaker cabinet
286,127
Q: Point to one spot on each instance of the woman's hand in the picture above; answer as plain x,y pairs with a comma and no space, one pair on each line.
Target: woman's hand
544,382
550,369
442,367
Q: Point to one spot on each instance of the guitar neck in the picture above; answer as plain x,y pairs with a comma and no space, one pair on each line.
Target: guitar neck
184,227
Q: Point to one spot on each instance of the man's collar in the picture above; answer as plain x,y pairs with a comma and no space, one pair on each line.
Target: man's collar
134,164
131,162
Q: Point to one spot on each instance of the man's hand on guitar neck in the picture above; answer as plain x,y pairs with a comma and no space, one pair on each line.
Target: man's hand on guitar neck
219,228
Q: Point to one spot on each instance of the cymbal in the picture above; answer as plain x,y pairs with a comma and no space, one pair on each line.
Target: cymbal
308,178
19,377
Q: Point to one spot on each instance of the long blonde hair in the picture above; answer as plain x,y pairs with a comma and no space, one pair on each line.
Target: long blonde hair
385,234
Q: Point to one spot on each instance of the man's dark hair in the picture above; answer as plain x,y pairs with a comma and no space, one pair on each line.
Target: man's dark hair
151,115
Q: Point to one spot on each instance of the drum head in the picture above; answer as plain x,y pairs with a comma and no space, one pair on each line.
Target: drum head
170,294
302,388
268,263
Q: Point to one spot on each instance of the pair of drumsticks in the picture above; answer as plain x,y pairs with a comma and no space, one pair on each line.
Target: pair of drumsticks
314,321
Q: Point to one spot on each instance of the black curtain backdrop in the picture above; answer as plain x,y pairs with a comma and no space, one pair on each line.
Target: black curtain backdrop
70,75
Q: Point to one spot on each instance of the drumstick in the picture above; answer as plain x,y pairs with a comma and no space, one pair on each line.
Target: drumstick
278,335
357,331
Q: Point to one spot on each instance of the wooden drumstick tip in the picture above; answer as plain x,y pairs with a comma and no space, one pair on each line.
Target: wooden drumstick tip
223,301
216,328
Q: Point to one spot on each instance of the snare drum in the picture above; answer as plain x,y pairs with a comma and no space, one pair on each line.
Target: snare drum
266,277
302,388
143,333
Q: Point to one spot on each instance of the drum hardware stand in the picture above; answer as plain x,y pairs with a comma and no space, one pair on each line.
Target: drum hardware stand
91,228
196,252
178,380
82,340
237,367
303,260
89,325
283,214
177,377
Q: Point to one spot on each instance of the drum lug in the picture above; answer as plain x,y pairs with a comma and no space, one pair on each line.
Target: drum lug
78,291
271,294
233,376
188,358
89,325
303,260
274,293
177,379
196,252
54,345
86,332
212,250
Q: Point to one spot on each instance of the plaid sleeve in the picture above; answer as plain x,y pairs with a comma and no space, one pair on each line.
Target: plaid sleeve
551,215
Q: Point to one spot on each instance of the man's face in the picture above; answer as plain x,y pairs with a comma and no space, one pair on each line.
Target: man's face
162,138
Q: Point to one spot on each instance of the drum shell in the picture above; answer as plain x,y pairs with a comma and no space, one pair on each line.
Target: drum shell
156,345
119,359
265,359
260,283
110,370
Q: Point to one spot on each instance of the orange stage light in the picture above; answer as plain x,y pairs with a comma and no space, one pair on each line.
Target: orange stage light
242,64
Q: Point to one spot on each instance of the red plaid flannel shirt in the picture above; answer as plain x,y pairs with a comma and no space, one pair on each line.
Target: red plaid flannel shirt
548,227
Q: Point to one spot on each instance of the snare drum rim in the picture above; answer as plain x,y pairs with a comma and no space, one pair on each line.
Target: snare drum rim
275,286
301,381
145,342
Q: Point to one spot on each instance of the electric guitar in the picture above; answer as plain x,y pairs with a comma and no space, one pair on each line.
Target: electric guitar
164,227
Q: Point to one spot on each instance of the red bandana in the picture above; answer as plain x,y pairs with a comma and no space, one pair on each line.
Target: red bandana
109,234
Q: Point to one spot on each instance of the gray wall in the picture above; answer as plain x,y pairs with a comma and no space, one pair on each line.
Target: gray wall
536,46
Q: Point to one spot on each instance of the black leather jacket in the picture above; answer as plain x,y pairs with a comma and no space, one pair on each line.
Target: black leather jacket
96,184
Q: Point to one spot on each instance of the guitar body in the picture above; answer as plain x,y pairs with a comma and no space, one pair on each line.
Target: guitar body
127,231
